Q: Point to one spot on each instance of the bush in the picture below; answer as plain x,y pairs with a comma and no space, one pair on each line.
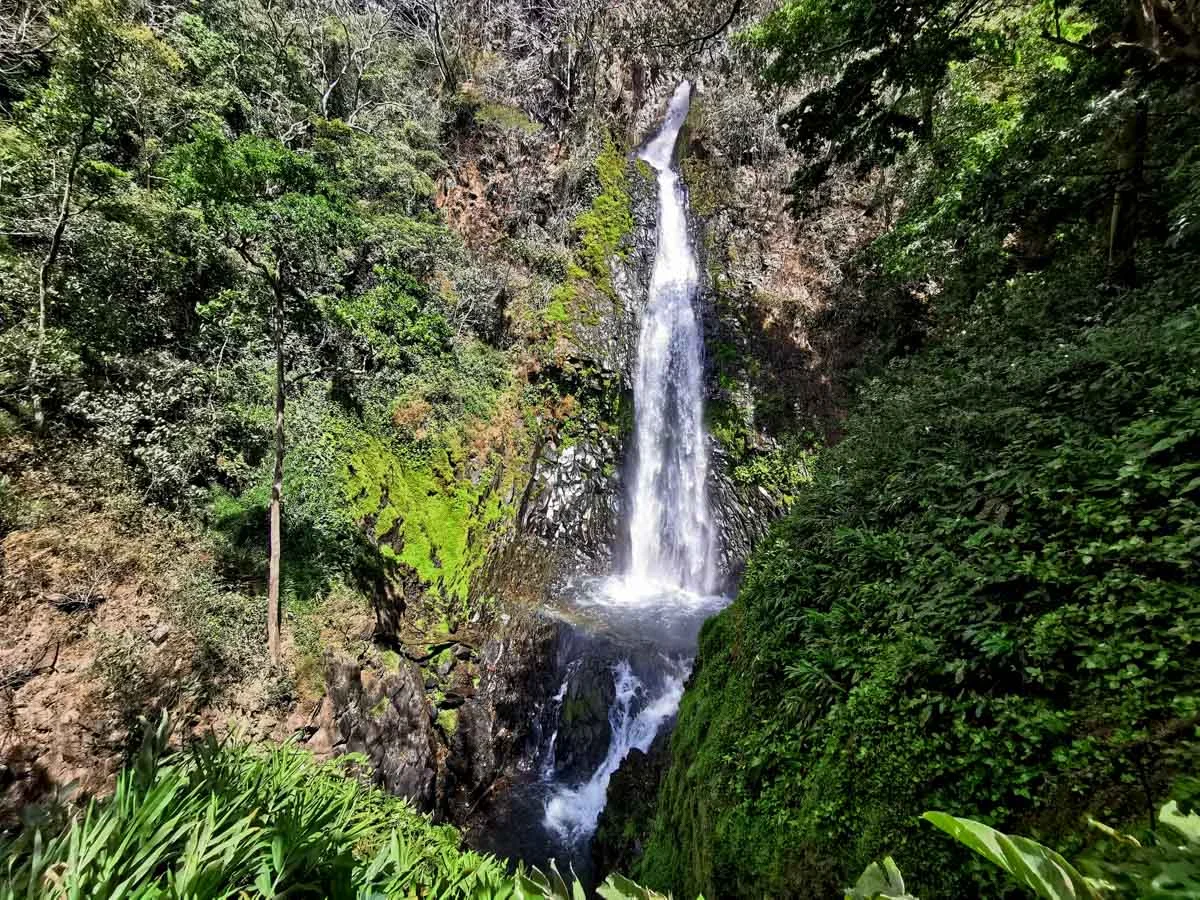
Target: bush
226,820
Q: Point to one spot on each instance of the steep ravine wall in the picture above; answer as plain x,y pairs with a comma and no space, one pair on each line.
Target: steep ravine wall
763,298
462,526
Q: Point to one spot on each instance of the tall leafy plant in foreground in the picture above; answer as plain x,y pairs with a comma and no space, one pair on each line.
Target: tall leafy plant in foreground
1167,867
1042,870
227,820
223,820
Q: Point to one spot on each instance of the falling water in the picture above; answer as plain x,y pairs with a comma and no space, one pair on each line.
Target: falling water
670,531
657,606
572,811
638,628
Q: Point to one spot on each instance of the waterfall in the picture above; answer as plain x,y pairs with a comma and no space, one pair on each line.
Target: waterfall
635,718
670,530
654,611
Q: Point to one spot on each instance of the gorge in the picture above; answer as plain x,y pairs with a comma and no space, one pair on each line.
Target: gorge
516,448
637,627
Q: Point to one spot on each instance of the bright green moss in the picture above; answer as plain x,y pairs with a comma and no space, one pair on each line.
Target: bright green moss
423,514
448,721
601,231
556,313
602,227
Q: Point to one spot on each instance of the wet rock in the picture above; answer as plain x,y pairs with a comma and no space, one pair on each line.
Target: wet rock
742,517
574,499
625,822
496,728
584,731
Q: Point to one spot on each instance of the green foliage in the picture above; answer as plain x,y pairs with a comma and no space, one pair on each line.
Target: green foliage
617,887
986,591
1038,868
553,886
227,820
603,226
396,319
985,598
1168,866
880,881
782,468
873,75
507,118
213,166
600,231
1165,864
426,517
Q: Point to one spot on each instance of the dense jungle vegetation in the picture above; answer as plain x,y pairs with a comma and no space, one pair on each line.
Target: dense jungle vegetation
265,346
226,287
250,373
986,601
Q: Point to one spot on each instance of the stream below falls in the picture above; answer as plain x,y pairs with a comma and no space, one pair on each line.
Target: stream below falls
629,639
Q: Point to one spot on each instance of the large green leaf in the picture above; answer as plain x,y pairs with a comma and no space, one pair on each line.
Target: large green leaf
617,887
1039,868
880,881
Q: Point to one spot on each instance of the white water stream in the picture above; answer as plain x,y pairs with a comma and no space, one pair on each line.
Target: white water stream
666,592
670,529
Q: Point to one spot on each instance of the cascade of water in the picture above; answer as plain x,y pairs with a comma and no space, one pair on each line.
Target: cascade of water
664,594
635,718
670,530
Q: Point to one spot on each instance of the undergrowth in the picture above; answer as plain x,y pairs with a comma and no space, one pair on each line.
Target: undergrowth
226,820
986,599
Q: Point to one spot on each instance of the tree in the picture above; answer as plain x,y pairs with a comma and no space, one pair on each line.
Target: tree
869,73
285,220
68,125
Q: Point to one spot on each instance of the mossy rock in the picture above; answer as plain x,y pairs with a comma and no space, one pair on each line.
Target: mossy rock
425,516
447,720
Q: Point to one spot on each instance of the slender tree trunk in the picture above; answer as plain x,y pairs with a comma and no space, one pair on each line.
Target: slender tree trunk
276,525
1145,24
927,112
1123,226
47,267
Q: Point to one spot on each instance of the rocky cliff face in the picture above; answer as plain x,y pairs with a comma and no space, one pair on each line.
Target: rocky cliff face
441,723
560,221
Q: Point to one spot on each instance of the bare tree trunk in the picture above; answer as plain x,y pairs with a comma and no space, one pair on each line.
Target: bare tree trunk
56,238
1145,24
927,112
1122,232
276,534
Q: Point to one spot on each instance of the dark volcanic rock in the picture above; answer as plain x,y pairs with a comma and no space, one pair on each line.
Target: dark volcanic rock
632,793
388,719
497,726
584,731
574,497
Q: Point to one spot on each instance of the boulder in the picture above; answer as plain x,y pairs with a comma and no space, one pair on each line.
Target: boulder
388,719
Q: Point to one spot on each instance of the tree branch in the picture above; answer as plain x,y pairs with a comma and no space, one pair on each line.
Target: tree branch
702,39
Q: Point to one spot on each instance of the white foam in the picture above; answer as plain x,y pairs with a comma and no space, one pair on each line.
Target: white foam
572,812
